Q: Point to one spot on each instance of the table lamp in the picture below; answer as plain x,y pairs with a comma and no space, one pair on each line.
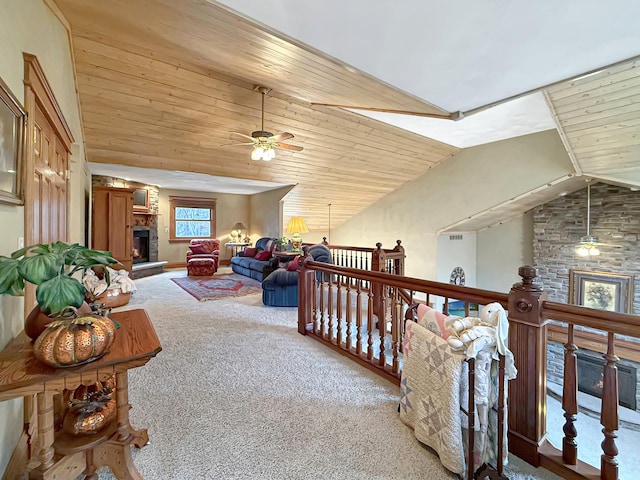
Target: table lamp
237,230
297,226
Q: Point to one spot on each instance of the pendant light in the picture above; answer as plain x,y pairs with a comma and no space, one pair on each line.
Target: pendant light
588,246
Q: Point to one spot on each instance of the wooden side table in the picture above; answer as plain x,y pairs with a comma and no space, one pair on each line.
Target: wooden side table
236,246
65,457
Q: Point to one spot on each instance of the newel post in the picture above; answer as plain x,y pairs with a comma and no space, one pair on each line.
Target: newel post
399,262
378,264
305,292
527,393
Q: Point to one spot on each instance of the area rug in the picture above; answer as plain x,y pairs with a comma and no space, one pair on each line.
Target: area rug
218,286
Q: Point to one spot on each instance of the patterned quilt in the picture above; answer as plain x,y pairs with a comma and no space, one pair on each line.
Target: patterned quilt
430,394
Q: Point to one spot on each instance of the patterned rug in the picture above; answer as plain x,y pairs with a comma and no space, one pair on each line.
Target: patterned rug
218,286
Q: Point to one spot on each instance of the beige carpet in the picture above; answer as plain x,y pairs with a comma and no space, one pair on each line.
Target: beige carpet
237,393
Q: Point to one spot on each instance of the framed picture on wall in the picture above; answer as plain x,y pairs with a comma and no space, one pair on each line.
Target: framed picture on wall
12,124
602,290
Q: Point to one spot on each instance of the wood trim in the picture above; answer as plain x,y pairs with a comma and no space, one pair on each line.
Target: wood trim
175,265
593,341
195,202
19,459
36,80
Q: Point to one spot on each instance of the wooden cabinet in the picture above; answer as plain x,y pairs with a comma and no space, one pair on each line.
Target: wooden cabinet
112,223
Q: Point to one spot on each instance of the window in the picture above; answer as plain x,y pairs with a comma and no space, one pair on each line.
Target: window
192,217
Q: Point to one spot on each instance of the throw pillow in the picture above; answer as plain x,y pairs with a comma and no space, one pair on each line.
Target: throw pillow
249,252
270,246
197,249
263,255
432,320
294,264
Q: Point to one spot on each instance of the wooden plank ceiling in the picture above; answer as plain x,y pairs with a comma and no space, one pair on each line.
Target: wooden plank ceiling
599,117
162,84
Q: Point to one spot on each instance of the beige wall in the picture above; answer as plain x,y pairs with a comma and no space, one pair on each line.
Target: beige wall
266,214
475,179
501,250
230,209
29,26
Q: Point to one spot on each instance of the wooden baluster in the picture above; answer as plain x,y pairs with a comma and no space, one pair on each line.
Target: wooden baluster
358,318
471,417
570,400
395,330
347,305
382,323
445,309
339,312
330,308
466,309
316,323
370,326
609,414
322,320
501,405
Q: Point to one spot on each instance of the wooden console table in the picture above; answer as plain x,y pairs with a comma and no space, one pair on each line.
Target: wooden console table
64,457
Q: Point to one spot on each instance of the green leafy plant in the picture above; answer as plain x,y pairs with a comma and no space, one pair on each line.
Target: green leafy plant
51,267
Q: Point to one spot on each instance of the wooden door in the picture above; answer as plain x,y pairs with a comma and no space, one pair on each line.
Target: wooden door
120,227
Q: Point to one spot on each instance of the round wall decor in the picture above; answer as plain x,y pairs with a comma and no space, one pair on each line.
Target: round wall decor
457,276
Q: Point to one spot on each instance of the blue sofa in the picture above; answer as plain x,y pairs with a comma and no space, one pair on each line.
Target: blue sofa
280,288
249,266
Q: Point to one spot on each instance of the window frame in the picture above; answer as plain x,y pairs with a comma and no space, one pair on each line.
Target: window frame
191,202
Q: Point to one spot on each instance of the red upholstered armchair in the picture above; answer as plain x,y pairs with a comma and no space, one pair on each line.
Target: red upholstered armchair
204,248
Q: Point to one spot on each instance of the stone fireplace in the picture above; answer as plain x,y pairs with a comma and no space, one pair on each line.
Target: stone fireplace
557,227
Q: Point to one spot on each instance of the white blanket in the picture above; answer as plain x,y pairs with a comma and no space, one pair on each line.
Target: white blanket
430,394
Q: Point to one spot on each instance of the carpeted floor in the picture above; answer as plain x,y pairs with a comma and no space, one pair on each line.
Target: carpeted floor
237,393
222,285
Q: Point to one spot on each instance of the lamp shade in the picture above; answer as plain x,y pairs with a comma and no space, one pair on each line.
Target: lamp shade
239,226
297,225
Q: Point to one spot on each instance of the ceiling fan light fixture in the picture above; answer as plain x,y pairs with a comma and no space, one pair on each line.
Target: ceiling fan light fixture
257,153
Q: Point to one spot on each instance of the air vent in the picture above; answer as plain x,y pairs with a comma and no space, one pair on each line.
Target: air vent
455,237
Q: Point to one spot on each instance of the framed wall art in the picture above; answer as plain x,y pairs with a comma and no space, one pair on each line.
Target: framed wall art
12,125
602,290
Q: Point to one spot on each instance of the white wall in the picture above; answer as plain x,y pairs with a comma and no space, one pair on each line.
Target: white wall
473,180
29,26
502,250
457,253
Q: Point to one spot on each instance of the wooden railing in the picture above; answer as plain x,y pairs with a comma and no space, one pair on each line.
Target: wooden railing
341,314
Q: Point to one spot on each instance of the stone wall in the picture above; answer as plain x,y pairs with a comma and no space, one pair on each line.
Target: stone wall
559,224
557,228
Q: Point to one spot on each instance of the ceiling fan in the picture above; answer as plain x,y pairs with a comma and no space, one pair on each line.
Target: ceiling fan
264,143
588,245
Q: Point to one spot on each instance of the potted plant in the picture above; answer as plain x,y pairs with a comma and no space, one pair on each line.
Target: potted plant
52,268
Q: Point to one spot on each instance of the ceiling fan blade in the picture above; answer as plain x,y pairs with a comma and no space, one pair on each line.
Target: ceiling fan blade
284,146
240,136
236,144
282,136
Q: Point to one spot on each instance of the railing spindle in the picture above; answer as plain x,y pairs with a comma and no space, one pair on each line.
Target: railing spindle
339,312
358,317
330,308
570,400
382,323
316,323
370,324
347,305
609,413
395,330
322,319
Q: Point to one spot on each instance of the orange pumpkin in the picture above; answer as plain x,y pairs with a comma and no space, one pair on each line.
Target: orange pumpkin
66,343
90,407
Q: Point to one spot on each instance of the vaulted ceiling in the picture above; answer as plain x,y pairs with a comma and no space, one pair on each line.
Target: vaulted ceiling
162,84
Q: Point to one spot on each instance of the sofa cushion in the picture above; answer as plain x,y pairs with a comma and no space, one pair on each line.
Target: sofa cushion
249,252
197,249
280,278
264,255
294,264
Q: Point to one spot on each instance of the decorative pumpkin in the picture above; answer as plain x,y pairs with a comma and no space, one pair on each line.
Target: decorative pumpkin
37,320
65,343
90,408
